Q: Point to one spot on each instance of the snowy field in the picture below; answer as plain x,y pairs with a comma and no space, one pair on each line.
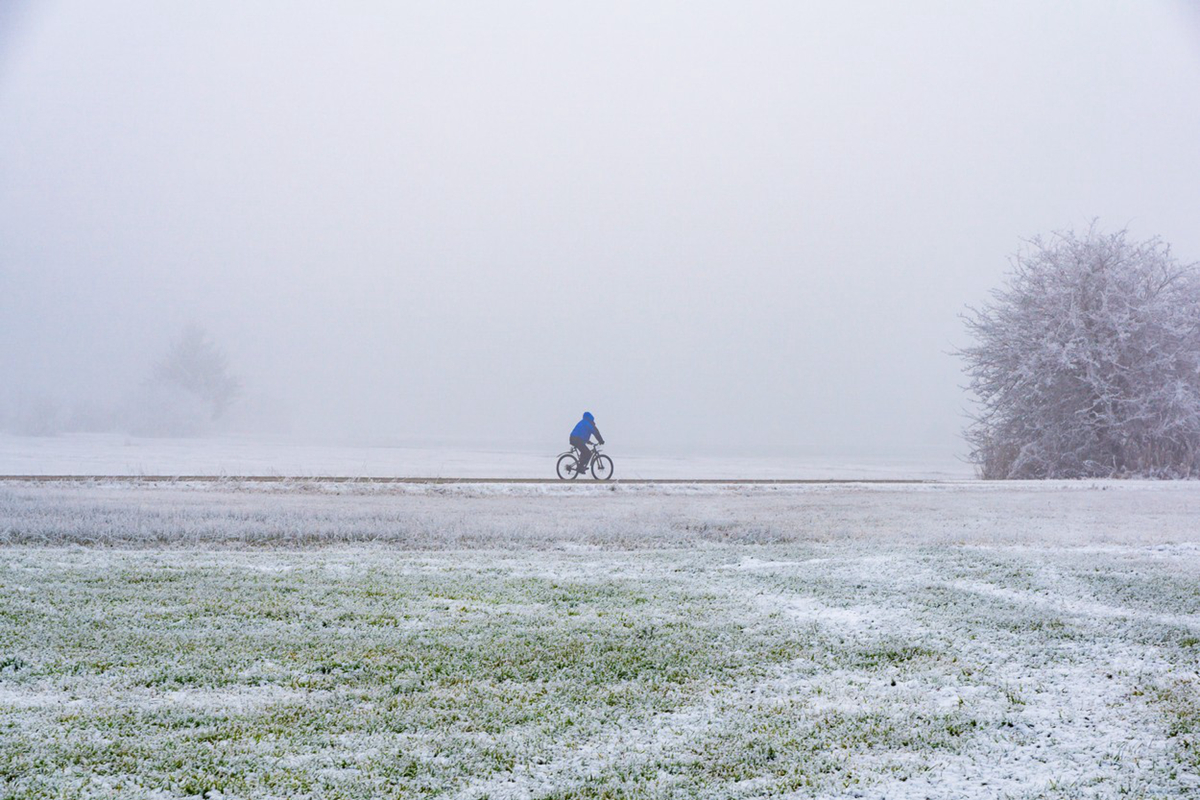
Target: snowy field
112,454
328,641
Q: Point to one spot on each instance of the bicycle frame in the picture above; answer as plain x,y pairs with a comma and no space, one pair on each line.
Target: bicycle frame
574,451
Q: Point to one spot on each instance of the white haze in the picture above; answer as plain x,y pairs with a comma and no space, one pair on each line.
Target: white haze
746,227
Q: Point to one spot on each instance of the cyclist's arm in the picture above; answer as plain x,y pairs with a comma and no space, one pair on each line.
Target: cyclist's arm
599,438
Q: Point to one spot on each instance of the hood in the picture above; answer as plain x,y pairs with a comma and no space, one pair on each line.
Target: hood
588,416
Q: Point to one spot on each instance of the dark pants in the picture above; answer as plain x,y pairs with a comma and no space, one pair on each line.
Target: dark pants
585,454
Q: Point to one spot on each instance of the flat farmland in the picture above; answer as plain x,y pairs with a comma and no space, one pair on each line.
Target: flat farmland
308,639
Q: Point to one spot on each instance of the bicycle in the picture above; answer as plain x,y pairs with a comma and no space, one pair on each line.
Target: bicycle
601,466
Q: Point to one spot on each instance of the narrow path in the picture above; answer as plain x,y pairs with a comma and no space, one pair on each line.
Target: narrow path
401,480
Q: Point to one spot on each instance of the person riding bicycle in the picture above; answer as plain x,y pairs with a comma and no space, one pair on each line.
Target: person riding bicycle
581,435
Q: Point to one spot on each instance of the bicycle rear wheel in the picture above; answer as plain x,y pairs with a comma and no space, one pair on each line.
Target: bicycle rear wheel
566,466
602,468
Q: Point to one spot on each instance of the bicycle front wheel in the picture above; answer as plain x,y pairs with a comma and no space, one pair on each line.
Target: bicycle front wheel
602,468
566,466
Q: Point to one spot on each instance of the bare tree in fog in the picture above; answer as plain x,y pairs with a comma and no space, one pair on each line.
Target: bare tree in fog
189,388
198,366
1087,363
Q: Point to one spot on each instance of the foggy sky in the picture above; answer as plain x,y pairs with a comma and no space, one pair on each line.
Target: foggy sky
744,226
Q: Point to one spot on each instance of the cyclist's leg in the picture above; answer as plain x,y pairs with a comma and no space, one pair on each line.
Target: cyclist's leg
581,447
586,456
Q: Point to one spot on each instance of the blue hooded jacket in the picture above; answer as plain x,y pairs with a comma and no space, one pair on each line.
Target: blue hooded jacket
586,428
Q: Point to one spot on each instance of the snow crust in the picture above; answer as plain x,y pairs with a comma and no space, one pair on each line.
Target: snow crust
110,454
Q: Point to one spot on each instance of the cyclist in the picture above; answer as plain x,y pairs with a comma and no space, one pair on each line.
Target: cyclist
581,435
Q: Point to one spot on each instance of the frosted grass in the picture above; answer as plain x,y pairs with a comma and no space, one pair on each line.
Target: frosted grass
304,513
843,642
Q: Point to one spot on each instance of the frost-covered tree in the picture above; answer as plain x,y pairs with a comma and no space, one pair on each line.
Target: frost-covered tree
1086,363
197,367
